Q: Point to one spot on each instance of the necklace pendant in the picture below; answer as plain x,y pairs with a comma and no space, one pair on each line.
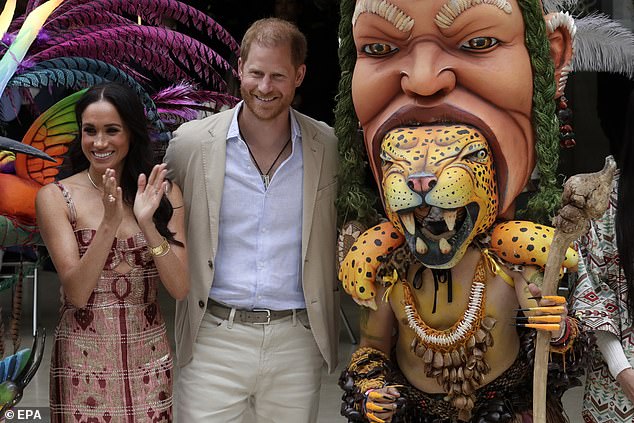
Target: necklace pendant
266,181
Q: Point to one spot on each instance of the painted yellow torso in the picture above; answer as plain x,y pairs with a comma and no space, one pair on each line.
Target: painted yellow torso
501,302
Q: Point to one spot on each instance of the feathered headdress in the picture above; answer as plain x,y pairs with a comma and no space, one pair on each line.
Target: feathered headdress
74,44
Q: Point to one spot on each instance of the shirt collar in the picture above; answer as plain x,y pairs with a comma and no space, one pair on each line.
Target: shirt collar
234,129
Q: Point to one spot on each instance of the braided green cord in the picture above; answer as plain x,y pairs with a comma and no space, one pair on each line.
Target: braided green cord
355,200
542,206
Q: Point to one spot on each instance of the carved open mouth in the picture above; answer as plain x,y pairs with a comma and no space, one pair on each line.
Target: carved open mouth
435,235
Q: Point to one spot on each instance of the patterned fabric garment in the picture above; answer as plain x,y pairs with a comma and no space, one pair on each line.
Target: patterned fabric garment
111,360
600,302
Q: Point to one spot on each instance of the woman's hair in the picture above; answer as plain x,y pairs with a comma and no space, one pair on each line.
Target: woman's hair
624,225
140,154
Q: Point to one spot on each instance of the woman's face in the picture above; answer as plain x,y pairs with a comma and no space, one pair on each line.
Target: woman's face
105,139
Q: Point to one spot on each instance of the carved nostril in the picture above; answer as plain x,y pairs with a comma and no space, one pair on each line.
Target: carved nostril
422,184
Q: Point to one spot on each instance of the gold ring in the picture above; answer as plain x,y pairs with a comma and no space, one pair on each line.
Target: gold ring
111,198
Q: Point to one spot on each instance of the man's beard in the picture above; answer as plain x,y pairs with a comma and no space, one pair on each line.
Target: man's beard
259,110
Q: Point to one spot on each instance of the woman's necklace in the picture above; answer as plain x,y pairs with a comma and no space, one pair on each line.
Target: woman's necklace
91,181
266,177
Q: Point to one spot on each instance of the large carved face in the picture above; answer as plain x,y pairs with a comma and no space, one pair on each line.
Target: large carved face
443,62
439,189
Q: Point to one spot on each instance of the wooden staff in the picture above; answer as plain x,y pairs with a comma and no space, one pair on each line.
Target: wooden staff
585,197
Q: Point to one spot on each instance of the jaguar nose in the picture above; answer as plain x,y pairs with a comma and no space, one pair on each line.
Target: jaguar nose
421,184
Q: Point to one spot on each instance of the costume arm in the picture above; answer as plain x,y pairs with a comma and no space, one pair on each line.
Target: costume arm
366,397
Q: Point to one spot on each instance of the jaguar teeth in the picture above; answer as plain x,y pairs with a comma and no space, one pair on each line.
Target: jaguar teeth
421,247
445,246
450,218
408,222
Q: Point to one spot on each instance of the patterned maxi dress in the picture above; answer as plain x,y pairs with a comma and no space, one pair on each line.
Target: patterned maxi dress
111,360
600,302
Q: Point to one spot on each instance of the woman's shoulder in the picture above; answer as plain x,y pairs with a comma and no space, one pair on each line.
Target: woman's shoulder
71,186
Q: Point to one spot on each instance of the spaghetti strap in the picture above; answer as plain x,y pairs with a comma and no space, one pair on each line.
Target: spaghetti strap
69,203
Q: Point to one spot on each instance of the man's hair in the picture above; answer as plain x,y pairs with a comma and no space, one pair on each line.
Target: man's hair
274,32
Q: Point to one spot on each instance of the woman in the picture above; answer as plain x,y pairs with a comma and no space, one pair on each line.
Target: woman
113,233
604,296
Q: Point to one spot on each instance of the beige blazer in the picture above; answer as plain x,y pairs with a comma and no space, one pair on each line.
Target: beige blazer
196,162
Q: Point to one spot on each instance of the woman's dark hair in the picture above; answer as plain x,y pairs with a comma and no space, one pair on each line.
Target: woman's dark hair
140,157
624,225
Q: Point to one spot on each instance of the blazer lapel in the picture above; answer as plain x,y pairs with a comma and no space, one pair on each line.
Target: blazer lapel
312,155
214,157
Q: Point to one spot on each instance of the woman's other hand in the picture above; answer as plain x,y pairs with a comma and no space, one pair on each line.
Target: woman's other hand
149,193
626,380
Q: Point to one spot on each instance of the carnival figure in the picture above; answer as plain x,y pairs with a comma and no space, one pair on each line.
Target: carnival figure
457,102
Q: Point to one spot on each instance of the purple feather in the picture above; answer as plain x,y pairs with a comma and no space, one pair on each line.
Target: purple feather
152,11
183,102
122,53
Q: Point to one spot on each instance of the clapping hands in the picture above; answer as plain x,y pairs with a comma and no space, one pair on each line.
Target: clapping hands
149,193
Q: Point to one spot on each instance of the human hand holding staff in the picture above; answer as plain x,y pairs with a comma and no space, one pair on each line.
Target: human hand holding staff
585,197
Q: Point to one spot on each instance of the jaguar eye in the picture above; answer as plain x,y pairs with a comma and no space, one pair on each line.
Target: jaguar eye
379,49
478,156
480,43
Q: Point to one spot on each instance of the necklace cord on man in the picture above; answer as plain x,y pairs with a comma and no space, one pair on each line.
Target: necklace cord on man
266,178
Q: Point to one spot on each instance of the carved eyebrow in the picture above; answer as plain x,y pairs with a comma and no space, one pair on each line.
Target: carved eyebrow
453,8
386,10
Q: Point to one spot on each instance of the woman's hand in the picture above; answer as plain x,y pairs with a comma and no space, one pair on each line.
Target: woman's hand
626,380
112,199
149,193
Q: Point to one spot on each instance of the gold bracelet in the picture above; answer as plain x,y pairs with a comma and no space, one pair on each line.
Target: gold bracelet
160,250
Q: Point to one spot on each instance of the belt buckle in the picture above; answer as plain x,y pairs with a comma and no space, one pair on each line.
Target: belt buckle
268,315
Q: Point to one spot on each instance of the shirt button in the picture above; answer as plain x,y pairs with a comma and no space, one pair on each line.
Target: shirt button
201,304
210,264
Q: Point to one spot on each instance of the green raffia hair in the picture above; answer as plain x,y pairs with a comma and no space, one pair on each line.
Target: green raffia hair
356,200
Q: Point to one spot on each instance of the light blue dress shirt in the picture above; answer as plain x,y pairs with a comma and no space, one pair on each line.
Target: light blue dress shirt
258,263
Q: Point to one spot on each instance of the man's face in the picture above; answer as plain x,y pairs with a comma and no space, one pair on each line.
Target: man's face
268,80
429,66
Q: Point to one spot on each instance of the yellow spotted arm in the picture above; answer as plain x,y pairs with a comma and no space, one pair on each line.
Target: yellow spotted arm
526,243
357,272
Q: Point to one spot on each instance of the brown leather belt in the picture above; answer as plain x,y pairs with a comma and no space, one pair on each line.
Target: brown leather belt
257,316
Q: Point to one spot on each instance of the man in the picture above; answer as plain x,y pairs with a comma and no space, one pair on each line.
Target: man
453,97
259,183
